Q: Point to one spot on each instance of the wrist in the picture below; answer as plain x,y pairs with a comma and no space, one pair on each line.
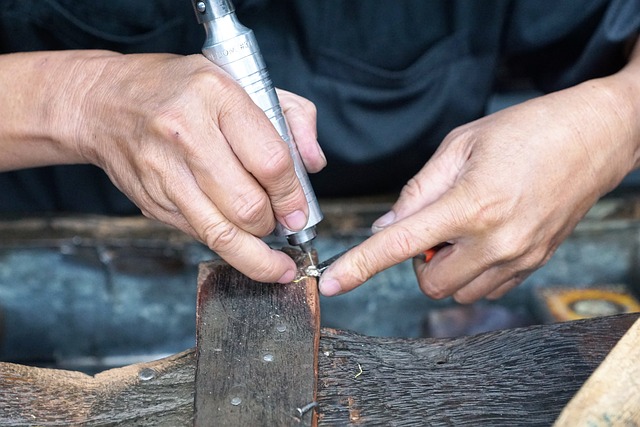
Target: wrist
75,121
43,109
612,125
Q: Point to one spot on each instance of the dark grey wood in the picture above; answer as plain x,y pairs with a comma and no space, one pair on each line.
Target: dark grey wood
257,346
514,377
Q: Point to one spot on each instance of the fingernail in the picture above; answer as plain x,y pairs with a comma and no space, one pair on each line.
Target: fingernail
322,154
329,287
384,221
287,277
296,220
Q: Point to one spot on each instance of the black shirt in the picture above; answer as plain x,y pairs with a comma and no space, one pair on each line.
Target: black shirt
390,78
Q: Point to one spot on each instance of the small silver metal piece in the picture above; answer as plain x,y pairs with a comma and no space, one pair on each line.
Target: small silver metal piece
146,374
202,8
236,401
268,357
281,328
312,271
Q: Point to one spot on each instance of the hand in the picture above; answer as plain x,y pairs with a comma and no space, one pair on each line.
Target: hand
505,191
195,152
178,136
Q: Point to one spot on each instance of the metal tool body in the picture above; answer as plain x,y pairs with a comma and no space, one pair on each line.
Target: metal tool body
233,47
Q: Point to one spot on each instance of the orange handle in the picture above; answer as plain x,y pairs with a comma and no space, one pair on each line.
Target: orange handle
430,253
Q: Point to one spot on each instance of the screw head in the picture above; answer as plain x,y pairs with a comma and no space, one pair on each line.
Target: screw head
146,374
201,7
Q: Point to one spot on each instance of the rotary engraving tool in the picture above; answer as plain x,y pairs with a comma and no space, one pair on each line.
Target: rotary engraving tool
233,47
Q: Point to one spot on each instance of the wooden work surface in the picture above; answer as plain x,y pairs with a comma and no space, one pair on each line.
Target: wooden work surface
514,377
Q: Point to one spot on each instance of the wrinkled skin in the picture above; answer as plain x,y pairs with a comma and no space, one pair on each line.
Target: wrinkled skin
505,191
176,134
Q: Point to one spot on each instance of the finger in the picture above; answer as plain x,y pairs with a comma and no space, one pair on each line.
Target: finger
390,246
447,272
234,191
436,178
248,254
484,284
506,287
301,116
214,168
266,156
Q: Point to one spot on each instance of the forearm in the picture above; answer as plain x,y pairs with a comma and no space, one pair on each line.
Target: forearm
43,103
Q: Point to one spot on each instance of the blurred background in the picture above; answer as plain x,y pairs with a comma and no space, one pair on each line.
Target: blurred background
90,292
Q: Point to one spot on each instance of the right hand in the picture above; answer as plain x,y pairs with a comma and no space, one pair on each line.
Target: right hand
185,143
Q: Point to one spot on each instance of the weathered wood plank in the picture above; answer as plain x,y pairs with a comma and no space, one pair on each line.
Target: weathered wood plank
611,396
257,347
506,378
514,377
149,394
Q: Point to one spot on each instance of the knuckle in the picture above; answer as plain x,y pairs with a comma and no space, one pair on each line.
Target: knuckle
210,76
278,160
230,97
220,236
308,107
291,101
505,247
484,214
433,291
253,209
401,244
359,270
412,189
535,258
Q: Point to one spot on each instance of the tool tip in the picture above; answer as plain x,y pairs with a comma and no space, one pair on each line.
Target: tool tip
306,247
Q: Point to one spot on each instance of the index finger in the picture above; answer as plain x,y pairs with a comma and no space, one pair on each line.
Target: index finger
263,152
393,245
250,255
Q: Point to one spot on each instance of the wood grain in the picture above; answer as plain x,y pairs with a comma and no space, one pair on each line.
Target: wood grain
611,396
514,377
147,394
257,346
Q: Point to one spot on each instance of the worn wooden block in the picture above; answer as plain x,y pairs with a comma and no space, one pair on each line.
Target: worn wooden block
611,396
147,394
257,346
513,377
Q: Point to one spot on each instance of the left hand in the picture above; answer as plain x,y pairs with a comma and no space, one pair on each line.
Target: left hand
505,191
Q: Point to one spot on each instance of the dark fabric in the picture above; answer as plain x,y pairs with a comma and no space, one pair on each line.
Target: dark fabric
390,78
